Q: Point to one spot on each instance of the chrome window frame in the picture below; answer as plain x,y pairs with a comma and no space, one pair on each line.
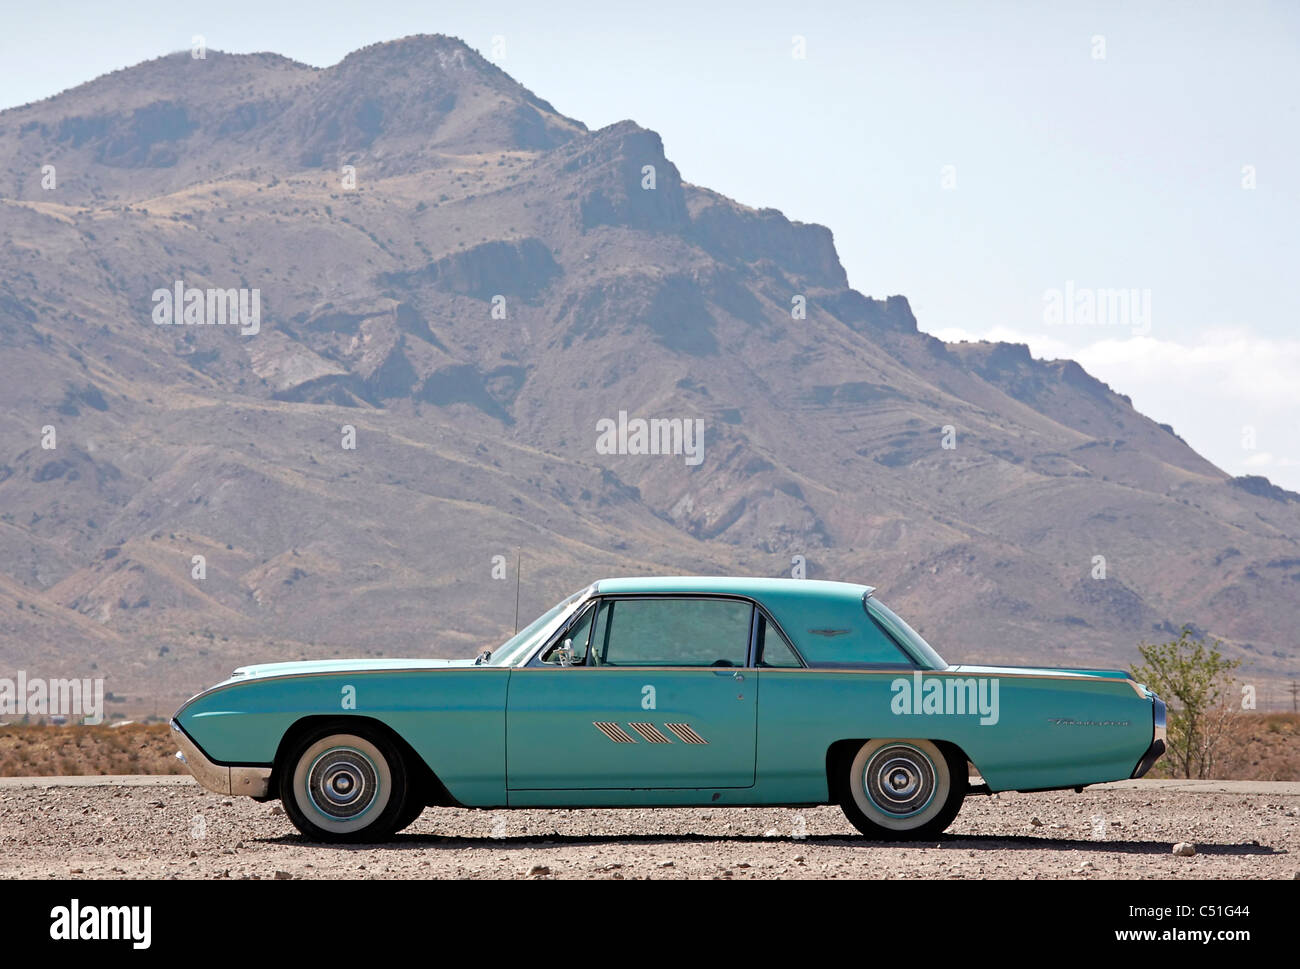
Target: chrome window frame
785,641
534,661
581,597
918,661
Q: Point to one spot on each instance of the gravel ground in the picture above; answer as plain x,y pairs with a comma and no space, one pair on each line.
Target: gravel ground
171,828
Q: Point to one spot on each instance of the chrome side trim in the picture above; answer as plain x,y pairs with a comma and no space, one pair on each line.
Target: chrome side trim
250,781
272,677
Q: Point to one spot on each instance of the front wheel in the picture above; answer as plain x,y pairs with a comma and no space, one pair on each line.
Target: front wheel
344,785
899,790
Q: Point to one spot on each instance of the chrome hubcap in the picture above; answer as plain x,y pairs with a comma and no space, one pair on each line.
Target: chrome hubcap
899,780
342,783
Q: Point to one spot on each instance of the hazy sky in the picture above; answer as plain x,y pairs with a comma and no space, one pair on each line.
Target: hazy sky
974,157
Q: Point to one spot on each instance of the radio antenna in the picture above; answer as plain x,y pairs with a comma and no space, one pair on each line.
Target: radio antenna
519,564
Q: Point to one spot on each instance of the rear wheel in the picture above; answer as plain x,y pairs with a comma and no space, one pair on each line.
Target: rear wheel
899,790
344,785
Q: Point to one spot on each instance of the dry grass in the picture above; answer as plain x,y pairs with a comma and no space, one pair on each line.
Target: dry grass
1262,747
1253,747
39,751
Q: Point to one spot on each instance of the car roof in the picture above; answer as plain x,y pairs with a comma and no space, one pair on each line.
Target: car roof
730,585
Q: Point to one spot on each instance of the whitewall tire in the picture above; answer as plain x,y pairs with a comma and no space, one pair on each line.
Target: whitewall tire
903,789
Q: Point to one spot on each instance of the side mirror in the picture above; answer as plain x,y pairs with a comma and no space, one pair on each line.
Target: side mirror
564,655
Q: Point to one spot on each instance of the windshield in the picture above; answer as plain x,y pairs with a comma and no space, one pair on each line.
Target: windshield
904,633
527,639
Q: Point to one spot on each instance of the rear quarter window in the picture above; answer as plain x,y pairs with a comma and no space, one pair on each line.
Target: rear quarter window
839,634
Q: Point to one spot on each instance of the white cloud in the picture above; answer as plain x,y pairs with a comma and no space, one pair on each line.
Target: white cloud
1214,391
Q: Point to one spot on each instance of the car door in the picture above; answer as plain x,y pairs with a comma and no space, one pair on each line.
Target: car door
659,695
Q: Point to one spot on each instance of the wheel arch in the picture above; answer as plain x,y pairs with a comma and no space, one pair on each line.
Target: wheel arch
840,754
425,783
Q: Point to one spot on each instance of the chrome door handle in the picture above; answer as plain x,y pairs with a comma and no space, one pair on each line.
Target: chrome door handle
739,677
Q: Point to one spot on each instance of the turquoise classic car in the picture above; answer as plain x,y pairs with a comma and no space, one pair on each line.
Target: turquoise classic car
669,691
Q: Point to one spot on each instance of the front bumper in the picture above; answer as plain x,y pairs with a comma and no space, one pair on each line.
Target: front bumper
1159,734
252,781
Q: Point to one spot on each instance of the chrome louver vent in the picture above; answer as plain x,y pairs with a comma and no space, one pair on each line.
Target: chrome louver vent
614,732
685,733
650,732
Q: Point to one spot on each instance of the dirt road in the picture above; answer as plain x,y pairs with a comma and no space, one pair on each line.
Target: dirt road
168,827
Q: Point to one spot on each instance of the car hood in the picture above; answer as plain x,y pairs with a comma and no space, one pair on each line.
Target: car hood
345,666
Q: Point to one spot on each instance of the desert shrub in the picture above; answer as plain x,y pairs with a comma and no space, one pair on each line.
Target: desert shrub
1195,680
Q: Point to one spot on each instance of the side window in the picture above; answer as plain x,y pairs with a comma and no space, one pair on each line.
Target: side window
671,632
579,633
773,651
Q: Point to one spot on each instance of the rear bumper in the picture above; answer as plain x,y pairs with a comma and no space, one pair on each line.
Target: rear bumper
1159,734
221,778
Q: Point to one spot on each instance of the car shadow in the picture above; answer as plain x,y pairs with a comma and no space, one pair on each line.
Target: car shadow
418,841
1129,847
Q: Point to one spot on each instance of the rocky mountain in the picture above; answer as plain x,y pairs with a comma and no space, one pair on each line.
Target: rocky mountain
464,284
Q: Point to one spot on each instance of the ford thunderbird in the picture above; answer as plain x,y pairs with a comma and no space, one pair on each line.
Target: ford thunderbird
669,691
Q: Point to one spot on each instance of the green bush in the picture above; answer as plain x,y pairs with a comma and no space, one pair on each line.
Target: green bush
1195,681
